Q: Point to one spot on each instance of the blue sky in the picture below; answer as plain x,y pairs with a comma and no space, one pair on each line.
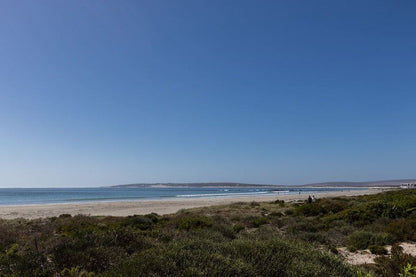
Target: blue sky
288,92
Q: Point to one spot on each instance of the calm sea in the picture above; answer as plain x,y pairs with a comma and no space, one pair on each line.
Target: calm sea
23,196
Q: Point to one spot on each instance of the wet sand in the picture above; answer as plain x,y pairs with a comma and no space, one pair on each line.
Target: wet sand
165,206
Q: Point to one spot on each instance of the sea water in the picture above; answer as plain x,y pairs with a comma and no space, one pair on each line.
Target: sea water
24,196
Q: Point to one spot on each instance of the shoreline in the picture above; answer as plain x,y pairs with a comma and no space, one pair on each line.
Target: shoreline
159,206
196,196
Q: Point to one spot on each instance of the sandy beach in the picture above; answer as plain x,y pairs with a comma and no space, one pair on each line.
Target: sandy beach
165,206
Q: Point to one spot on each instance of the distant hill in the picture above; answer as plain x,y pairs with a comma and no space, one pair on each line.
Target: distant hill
380,183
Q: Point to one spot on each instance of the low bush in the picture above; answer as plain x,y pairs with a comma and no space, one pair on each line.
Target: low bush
227,230
362,239
76,272
254,204
276,214
194,222
238,227
322,207
377,250
395,264
289,212
310,209
236,258
281,203
312,237
402,229
139,221
258,221
302,225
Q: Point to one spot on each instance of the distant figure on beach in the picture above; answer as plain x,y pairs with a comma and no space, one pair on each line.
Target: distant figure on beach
313,198
309,199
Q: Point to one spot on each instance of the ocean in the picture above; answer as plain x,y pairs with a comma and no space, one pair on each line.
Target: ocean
25,196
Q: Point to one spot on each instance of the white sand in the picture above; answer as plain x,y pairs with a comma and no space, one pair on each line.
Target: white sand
165,206
365,256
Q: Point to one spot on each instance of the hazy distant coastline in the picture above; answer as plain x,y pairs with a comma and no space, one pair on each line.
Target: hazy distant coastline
194,185
379,183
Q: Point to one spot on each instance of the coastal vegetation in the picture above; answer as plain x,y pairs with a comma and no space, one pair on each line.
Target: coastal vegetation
240,239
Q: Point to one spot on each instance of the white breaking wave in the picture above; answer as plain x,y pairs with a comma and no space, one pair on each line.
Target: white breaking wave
223,194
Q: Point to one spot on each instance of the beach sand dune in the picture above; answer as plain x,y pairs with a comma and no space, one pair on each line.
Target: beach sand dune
165,206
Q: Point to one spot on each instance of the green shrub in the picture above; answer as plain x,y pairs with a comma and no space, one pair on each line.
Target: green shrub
76,272
281,203
258,221
312,209
333,249
65,216
289,212
408,271
395,264
235,258
194,222
312,237
377,249
139,221
362,239
359,216
227,230
302,225
382,239
254,204
403,229
322,207
276,214
238,227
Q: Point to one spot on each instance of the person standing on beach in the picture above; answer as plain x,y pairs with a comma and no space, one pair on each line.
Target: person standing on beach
313,198
309,199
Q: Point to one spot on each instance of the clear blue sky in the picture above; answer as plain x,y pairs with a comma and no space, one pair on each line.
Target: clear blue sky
288,92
